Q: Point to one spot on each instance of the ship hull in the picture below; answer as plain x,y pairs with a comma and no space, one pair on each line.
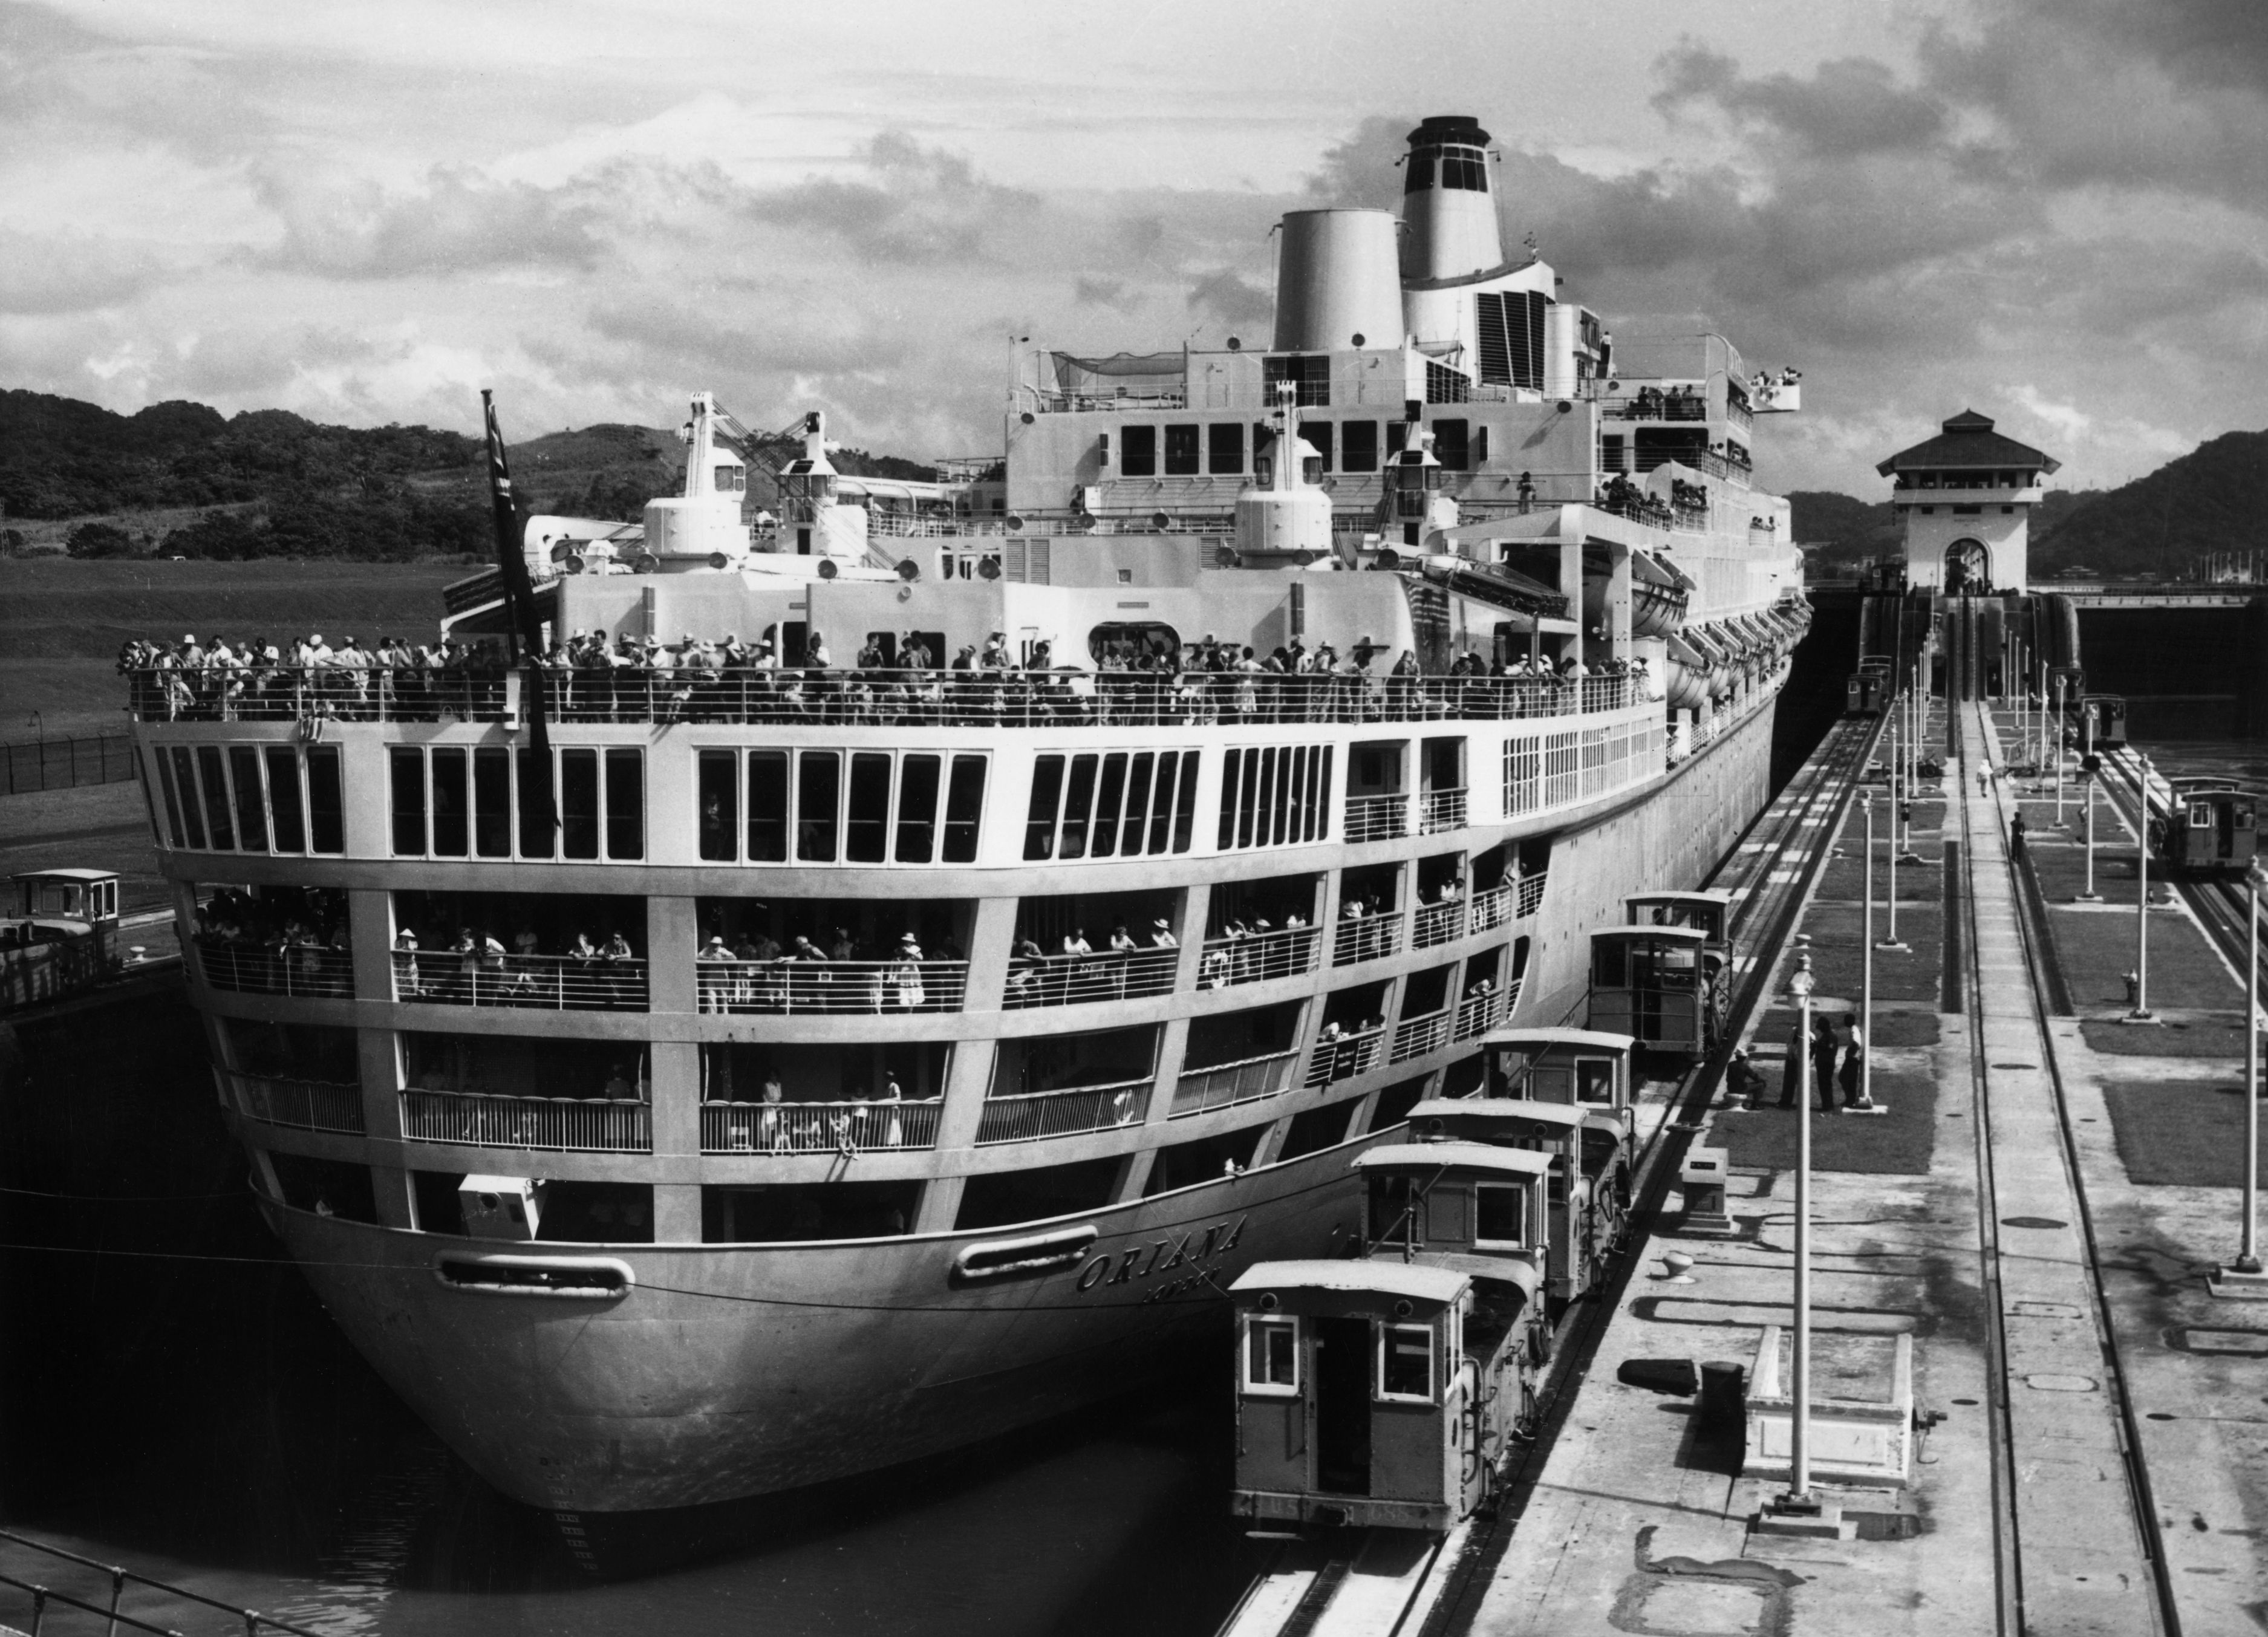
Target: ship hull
728,1372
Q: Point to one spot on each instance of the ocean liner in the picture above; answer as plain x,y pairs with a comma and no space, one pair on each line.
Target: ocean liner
919,942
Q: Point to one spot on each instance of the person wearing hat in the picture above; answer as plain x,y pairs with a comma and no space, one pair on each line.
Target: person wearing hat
709,963
906,975
1744,1085
1161,935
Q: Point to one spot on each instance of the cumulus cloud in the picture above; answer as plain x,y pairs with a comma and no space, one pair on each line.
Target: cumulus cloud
1222,295
907,203
459,221
52,273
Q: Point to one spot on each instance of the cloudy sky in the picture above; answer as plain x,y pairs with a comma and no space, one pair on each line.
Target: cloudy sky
2052,209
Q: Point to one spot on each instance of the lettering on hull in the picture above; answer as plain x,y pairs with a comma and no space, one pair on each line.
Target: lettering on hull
1192,1250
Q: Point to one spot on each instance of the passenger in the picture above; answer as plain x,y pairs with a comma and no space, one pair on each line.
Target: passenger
1161,935
1743,1084
1854,1061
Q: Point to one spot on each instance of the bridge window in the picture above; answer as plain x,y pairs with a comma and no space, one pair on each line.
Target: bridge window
1405,1362
1359,446
1275,796
1272,1356
1225,447
1122,804
448,802
1464,168
1138,451
1318,433
1452,444
1311,377
1180,452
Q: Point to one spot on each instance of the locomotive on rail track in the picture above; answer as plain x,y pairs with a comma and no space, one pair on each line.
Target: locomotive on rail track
2206,826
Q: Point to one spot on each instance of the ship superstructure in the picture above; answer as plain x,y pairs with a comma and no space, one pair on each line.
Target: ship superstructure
974,920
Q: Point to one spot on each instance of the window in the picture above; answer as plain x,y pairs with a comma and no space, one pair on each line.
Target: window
1275,796
251,807
578,803
215,782
917,780
818,778
1138,451
767,807
1311,376
1452,444
327,805
1182,452
1464,168
1405,1362
866,830
407,763
539,835
1271,1357
451,804
1359,446
289,831
1225,447
625,803
1500,1216
1120,805
964,809
1319,434
717,777
1594,1080
1418,175
492,803
173,795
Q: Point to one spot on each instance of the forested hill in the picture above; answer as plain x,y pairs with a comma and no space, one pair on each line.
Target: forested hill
180,479
2207,500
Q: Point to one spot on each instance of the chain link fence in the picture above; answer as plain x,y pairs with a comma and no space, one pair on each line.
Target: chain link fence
56,764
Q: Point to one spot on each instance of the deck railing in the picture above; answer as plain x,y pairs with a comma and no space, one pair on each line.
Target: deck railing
1027,1117
1492,908
307,972
855,1127
1083,980
745,695
1477,1014
1224,1085
568,1125
790,987
1414,1037
1437,924
300,1104
544,983
1531,895
1440,809
1366,937
1286,952
1377,817
1346,1057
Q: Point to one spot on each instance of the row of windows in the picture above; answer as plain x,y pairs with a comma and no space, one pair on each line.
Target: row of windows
1121,806
449,801
1459,167
1275,796
887,810
253,798
1547,770
1401,1363
1344,446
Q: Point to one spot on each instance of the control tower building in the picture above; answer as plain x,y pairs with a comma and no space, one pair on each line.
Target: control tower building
1965,497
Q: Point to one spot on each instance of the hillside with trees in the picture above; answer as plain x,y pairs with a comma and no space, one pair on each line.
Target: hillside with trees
2208,500
181,480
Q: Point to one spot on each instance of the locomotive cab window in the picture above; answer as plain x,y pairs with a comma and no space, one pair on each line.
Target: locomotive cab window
1405,1364
1594,1080
1272,1356
1500,1218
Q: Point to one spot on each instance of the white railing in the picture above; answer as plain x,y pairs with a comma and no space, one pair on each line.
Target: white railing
1377,817
1027,1117
1492,908
1531,895
854,1127
300,1104
1346,1057
1477,1014
1440,809
1085,979
1414,1037
307,972
1286,952
572,1125
1224,1085
1366,937
1437,924
544,983
227,692
790,987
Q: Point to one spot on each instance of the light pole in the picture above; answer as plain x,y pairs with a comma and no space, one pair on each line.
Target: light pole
2058,752
2087,764
2141,1012
1865,1038
2243,1277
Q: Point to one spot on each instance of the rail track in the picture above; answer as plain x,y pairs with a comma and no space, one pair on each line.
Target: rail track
1769,872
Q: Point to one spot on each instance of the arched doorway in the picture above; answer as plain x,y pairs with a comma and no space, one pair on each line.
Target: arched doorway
1968,568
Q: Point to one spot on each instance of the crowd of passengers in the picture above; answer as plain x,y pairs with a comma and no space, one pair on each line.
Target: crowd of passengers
759,972
473,966
297,940
638,679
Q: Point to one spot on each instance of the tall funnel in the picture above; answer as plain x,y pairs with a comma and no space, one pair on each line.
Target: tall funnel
1336,285
1448,206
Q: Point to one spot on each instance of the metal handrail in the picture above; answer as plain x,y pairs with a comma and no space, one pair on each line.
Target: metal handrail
485,1119
1031,1116
1284,952
835,1127
1437,924
550,982
1414,1037
874,987
1382,818
1346,1057
254,1622
1366,937
1442,809
298,1105
748,696
1082,980
1225,1085
310,971
1492,908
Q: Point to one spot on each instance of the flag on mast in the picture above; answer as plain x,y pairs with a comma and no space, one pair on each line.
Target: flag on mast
523,629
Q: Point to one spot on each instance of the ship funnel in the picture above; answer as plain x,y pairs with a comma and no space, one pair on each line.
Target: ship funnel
1448,205
1336,285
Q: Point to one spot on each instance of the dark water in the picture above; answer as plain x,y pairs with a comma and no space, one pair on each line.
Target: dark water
2244,761
202,1421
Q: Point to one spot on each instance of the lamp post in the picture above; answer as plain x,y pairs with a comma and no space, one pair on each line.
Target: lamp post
2244,1277
2058,752
2087,764
1799,1510
2141,1012
1867,974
